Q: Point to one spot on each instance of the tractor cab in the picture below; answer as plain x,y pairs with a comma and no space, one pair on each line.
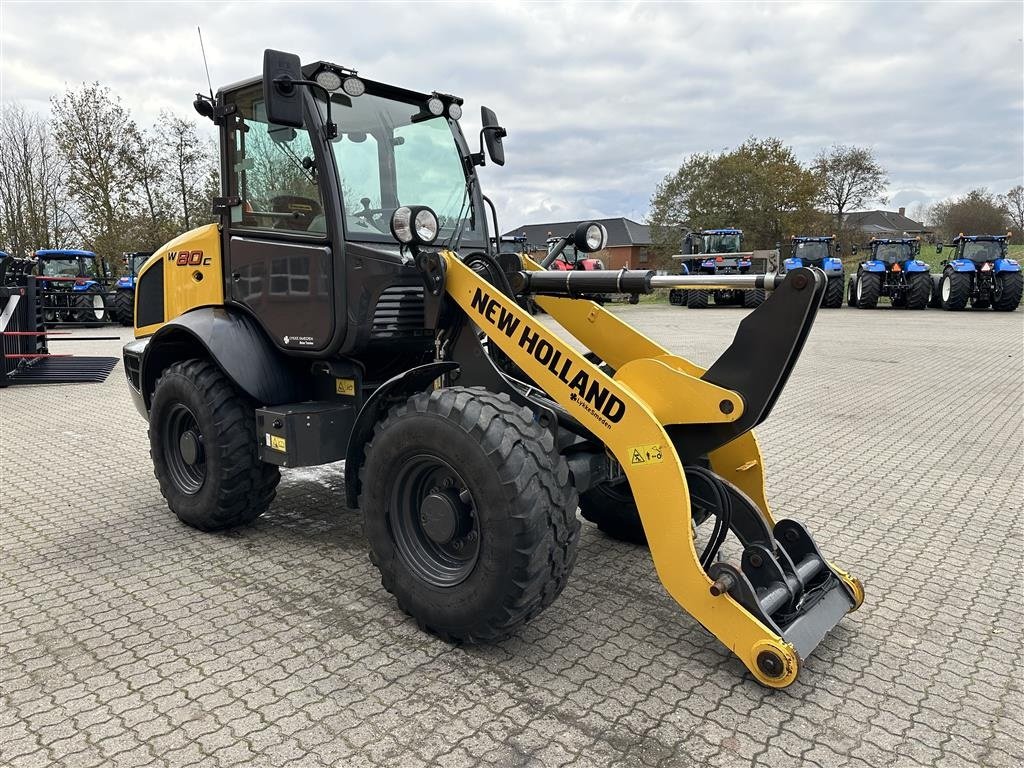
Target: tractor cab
821,252
717,252
63,264
893,269
72,286
980,272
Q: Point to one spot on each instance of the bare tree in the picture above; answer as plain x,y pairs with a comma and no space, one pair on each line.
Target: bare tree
32,192
189,163
1013,201
850,177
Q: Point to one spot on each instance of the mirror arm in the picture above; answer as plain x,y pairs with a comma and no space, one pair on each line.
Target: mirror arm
479,158
286,84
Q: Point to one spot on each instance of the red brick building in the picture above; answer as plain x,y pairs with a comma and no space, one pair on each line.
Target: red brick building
629,242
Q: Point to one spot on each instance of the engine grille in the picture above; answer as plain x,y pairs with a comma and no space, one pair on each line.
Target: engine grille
399,312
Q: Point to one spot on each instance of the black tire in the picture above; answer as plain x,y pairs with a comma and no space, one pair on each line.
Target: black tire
936,300
91,307
851,293
124,307
1008,289
833,293
954,290
677,297
696,299
920,290
502,540
753,298
868,289
226,484
613,510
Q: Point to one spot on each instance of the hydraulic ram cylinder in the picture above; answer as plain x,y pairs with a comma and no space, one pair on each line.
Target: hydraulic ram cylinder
582,282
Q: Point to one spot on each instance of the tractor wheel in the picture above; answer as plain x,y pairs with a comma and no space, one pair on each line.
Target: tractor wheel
202,437
91,307
612,509
936,300
753,298
869,287
954,290
920,290
851,293
833,293
469,511
1008,289
696,299
124,307
677,297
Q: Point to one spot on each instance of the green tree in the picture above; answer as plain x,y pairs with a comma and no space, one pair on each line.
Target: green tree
849,177
760,187
979,212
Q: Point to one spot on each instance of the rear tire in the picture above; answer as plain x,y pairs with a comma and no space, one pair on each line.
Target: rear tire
1009,287
851,293
920,290
753,298
677,297
613,510
868,289
470,513
936,300
955,290
202,439
833,293
91,307
696,299
124,307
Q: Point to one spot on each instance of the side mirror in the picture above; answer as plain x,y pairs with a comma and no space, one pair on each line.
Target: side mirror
281,72
938,247
492,134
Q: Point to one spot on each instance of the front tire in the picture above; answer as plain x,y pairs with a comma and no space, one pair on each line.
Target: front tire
753,298
91,307
696,298
202,438
1008,289
936,300
920,290
869,287
469,512
833,293
124,307
955,290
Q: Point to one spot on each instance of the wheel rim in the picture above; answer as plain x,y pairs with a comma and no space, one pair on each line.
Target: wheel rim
946,288
97,306
860,287
433,521
184,450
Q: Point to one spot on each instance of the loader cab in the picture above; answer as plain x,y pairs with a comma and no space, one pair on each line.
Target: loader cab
307,207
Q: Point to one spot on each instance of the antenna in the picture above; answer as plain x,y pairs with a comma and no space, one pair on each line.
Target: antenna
205,65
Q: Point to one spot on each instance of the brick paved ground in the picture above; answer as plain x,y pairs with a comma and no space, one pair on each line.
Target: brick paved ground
127,638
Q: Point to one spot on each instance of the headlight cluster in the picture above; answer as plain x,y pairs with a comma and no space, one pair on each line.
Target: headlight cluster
414,225
332,81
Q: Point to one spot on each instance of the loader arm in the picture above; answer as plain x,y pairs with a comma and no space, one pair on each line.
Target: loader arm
632,413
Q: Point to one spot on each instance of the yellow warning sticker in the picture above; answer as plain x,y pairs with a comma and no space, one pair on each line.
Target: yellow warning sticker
646,454
345,386
277,443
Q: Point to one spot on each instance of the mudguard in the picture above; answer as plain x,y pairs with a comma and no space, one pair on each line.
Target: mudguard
235,343
793,263
916,265
962,265
404,384
832,265
872,265
1005,265
79,288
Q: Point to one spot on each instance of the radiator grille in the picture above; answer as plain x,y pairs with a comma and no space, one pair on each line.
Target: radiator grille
399,312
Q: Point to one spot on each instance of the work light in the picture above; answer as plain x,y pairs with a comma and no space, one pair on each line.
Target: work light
415,224
590,236
454,111
328,79
435,106
353,86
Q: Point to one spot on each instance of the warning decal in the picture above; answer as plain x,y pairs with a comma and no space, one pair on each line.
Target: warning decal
276,443
646,454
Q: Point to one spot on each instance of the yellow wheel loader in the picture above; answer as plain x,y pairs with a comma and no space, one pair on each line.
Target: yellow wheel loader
353,304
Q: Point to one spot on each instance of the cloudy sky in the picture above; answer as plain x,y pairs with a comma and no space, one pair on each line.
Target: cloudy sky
600,100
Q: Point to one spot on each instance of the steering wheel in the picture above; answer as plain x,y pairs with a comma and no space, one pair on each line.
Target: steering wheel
370,216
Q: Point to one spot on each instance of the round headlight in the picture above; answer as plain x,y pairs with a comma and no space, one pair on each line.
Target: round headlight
401,224
353,86
426,226
435,106
454,111
595,237
590,236
328,79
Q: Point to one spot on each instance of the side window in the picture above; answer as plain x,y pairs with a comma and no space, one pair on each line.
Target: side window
273,171
358,156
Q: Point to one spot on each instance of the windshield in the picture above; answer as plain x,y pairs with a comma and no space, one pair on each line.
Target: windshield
60,267
893,252
721,244
391,153
811,251
986,250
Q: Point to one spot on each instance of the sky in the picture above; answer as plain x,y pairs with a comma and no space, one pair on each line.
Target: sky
600,100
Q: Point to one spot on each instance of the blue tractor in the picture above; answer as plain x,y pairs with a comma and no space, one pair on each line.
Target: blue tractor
73,286
717,252
981,273
122,299
821,252
893,270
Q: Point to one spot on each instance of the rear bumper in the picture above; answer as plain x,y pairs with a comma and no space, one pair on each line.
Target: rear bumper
133,353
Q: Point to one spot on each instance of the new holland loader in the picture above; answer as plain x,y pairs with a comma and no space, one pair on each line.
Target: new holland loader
351,305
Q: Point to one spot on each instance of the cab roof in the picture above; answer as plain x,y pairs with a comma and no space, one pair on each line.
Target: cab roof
728,231
58,253
812,238
895,240
982,238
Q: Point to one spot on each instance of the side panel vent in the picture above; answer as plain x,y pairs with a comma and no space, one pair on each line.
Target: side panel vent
399,312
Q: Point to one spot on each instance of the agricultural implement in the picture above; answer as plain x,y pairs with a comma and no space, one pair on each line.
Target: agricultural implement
394,336
893,269
821,252
980,273
73,286
718,252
